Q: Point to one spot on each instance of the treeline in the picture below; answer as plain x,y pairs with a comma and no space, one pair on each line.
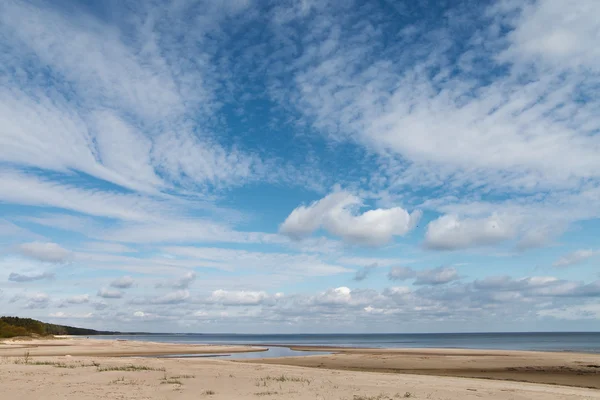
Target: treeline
15,326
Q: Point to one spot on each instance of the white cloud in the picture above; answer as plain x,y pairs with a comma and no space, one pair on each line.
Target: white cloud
441,120
27,189
124,282
32,300
431,276
508,283
450,232
80,299
575,257
337,213
10,232
560,34
280,263
176,230
46,252
340,295
573,312
182,282
109,294
238,298
61,315
28,277
106,123
176,297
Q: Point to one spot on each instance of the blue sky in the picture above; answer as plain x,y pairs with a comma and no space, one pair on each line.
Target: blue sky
251,166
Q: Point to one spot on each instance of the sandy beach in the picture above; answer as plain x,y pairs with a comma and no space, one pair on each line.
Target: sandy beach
90,369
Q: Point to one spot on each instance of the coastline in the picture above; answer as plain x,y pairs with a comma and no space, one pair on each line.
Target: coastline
79,346
555,368
93,368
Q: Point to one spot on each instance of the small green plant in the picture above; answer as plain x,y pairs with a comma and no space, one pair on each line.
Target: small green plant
129,368
381,396
285,378
209,392
26,357
171,381
408,395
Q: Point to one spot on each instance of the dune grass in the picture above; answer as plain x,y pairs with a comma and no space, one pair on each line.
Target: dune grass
129,368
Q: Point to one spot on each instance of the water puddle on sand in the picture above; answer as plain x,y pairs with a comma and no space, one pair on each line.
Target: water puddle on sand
271,352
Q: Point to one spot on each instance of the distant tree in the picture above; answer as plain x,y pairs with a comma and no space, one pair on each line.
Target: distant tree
16,326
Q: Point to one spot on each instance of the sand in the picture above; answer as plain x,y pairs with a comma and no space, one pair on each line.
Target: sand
572,369
92,372
74,346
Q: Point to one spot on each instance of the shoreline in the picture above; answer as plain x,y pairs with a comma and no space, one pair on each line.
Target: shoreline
554,368
84,347
425,365
377,350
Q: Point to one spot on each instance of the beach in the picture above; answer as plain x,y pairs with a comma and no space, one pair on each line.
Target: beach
81,368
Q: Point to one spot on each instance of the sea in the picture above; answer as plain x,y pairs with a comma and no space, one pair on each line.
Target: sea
586,342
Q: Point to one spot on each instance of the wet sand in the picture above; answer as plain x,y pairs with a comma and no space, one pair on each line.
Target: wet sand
558,368
116,348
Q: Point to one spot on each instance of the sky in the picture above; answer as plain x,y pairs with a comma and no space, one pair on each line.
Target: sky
301,166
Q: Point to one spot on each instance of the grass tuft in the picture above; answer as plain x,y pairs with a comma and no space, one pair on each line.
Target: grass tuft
268,393
129,368
381,396
284,378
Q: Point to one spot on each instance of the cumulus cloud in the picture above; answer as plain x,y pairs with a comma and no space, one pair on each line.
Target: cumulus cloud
450,232
109,294
28,277
124,282
575,257
338,214
339,295
46,252
238,298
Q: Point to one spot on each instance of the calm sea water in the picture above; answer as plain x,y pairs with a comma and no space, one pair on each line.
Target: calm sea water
578,342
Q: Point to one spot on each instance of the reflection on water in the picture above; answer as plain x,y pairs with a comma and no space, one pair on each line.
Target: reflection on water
277,352
270,353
